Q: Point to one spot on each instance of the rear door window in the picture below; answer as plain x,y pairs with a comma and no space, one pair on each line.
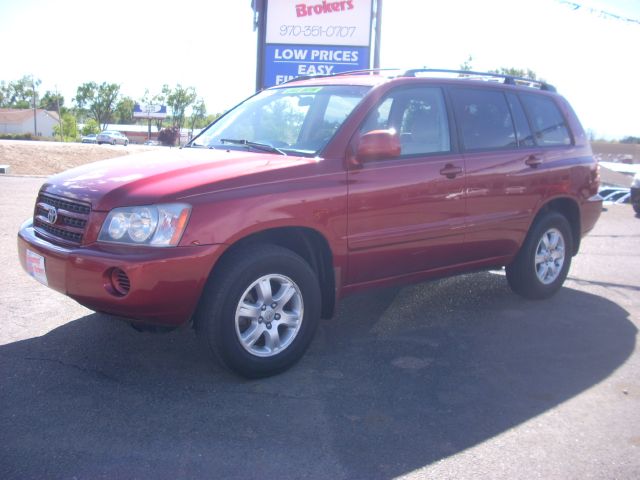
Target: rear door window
484,119
549,126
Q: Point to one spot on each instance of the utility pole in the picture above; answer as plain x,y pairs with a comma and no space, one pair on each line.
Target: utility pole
59,116
376,48
260,24
35,123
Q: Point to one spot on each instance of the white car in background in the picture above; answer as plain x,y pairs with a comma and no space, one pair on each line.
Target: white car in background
112,137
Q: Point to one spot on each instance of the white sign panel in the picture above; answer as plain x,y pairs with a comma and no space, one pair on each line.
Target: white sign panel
36,267
319,22
149,111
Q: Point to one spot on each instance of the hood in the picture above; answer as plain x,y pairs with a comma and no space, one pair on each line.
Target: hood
167,175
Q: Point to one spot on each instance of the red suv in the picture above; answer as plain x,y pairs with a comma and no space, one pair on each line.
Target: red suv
315,189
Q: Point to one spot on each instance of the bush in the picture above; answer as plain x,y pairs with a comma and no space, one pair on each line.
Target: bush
16,136
169,136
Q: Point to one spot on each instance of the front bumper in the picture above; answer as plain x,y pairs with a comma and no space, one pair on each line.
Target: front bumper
166,283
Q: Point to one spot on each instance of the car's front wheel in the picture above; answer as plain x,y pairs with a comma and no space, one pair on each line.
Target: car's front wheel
542,264
260,311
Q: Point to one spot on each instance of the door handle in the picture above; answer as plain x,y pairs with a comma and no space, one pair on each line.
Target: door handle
450,171
533,161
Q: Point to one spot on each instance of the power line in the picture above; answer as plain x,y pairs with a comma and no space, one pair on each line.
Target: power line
600,13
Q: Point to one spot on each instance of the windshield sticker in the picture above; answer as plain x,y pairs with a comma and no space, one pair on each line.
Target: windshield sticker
298,90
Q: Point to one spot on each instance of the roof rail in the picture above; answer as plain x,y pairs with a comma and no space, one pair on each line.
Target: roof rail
337,74
508,79
368,70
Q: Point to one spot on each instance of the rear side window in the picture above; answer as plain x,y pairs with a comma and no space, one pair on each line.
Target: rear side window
548,123
525,137
484,119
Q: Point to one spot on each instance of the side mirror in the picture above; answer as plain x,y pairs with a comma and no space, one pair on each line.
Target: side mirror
377,145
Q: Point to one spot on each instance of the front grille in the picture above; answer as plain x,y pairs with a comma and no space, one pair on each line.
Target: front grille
59,232
65,204
61,219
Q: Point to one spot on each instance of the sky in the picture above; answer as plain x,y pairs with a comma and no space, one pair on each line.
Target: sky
593,60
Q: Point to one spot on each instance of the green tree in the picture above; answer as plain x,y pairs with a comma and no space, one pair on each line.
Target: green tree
52,101
90,126
209,119
198,114
99,101
124,111
179,99
466,65
19,93
517,72
69,128
4,92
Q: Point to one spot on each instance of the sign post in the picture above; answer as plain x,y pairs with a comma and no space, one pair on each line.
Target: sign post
298,38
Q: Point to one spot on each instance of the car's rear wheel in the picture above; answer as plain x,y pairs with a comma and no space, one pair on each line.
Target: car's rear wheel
260,310
113,142
126,142
636,208
542,264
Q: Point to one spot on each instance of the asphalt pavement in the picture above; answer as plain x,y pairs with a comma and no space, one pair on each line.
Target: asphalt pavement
453,379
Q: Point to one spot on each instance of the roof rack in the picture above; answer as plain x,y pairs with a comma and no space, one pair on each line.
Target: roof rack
508,79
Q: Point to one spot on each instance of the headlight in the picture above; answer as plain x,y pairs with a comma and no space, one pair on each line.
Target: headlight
154,225
636,181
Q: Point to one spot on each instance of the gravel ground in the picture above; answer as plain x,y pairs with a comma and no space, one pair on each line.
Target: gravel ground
47,158
453,379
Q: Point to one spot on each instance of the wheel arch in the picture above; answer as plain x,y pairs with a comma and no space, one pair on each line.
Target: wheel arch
306,242
568,207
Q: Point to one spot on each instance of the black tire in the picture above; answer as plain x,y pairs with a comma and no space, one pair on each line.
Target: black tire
219,328
636,208
522,273
99,143
126,142
113,142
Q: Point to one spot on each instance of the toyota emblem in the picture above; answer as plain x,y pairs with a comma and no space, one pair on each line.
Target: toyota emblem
52,215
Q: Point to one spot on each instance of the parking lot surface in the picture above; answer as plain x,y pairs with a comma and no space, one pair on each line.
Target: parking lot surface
457,378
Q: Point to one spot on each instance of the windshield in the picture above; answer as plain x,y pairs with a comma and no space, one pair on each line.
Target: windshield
294,120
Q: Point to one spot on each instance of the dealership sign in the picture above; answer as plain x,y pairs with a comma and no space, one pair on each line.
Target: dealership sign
149,111
315,38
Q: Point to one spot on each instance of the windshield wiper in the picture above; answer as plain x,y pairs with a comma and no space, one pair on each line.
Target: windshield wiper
260,146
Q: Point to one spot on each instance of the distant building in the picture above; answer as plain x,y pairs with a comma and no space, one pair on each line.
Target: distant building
139,133
20,121
135,133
